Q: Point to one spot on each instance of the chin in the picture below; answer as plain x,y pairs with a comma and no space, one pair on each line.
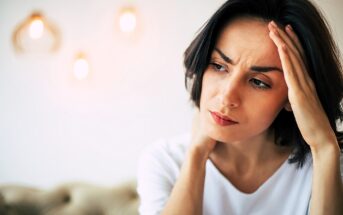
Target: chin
223,136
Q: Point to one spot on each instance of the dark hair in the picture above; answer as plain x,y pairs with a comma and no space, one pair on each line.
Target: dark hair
321,53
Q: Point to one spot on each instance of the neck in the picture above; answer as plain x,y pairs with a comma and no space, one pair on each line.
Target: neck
248,154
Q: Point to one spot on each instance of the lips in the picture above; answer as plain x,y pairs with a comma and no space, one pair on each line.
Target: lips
221,119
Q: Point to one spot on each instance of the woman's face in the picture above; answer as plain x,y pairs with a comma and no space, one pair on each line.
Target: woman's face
244,82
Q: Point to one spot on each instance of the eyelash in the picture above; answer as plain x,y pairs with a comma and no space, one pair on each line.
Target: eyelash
264,87
216,67
256,82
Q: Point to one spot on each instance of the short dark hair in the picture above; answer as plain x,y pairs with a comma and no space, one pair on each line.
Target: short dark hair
321,53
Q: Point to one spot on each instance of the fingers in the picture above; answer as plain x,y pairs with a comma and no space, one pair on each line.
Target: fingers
292,40
295,39
290,77
199,135
196,121
289,40
296,42
297,72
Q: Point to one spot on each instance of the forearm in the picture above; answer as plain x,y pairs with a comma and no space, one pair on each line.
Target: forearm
187,195
327,188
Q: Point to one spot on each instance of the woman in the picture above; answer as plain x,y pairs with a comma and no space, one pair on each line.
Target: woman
267,84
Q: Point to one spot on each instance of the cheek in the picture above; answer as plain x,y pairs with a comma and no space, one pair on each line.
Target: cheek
266,110
206,91
263,117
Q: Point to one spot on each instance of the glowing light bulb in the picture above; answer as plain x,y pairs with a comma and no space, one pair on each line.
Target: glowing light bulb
36,34
81,67
36,29
127,20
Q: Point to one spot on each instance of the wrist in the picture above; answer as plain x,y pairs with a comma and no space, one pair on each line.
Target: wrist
198,153
326,150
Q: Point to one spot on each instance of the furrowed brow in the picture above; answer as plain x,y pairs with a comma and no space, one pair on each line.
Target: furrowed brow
265,69
253,68
223,56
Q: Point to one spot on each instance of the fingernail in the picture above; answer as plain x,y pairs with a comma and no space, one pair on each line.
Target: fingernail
273,23
289,27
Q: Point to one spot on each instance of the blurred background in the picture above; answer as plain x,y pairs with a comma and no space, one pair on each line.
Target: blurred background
85,89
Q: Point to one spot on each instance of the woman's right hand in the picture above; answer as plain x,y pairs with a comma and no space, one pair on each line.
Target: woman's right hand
188,191
200,140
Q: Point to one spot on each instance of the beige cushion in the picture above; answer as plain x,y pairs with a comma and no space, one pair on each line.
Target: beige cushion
70,199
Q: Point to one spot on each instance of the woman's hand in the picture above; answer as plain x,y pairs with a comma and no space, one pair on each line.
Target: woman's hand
327,188
200,141
188,191
308,111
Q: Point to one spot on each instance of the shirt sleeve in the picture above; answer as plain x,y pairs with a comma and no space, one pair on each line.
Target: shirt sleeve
155,179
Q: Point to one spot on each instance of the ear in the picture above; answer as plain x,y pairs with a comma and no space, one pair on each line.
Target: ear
288,107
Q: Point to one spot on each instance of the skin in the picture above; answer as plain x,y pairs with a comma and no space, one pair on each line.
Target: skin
231,88
327,187
245,152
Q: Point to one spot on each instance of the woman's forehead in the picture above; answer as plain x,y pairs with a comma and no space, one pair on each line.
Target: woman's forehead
248,39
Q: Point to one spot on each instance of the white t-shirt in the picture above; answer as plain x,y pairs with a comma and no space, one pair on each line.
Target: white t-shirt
286,192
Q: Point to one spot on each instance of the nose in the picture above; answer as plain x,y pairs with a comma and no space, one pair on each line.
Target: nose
230,92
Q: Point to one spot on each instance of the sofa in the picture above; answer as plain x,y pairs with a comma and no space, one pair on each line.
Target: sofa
69,199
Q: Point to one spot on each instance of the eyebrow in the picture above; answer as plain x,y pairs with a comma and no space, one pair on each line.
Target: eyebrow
253,68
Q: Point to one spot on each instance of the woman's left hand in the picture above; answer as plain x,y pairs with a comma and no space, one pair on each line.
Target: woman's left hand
306,106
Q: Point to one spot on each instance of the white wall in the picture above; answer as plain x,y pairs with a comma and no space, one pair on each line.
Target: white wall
55,129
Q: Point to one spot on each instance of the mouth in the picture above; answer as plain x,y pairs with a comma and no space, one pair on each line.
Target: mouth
222,120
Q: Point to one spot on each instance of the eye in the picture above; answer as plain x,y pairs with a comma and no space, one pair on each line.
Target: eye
260,84
217,67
